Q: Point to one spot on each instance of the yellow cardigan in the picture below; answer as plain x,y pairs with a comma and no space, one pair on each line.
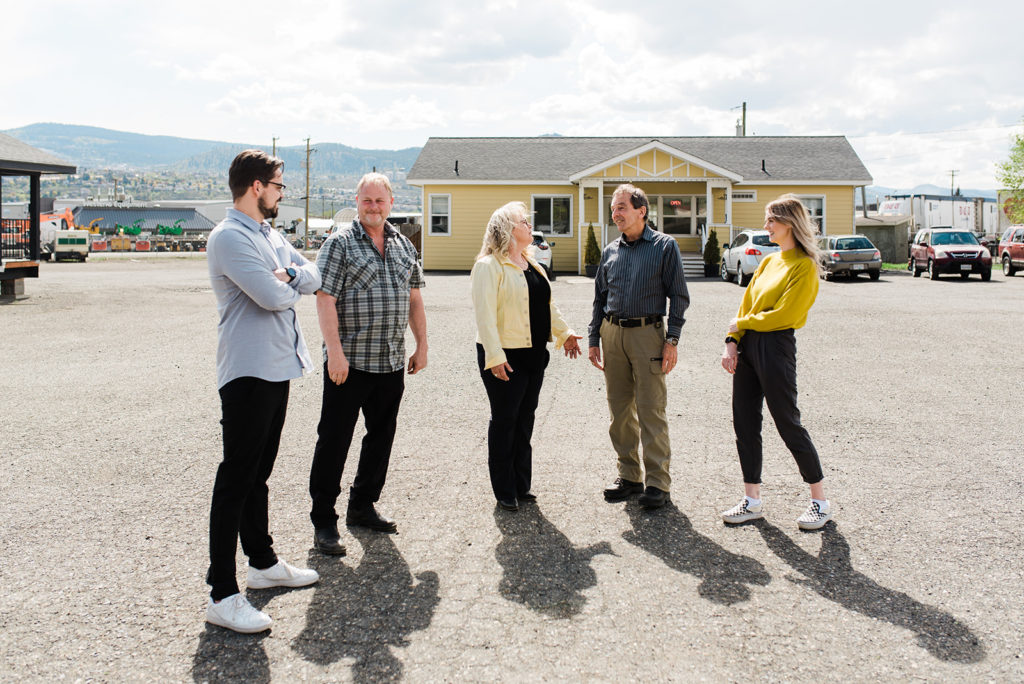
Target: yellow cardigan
501,304
779,295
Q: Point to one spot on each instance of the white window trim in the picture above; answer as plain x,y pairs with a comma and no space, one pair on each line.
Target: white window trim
824,211
430,214
572,232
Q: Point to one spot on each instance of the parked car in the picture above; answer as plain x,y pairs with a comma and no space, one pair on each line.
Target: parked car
542,253
948,250
1011,250
741,258
850,255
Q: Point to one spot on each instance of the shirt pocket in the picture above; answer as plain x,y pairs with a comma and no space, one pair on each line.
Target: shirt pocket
364,273
401,270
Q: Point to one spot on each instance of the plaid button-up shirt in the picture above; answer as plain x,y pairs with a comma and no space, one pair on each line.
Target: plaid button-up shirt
372,293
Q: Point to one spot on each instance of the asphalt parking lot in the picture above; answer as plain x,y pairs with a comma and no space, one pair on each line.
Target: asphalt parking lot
109,440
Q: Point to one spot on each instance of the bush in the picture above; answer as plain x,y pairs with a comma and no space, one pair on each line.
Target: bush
591,252
712,255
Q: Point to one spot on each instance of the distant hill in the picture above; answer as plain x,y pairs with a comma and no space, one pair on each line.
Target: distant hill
878,192
92,147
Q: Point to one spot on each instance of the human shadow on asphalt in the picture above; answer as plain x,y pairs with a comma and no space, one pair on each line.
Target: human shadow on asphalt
668,534
224,655
542,569
831,575
362,612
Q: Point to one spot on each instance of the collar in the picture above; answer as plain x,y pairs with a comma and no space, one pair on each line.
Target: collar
647,234
389,230
507,260
246,220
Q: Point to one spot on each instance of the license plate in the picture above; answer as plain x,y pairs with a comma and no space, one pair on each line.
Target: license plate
857,267
965,267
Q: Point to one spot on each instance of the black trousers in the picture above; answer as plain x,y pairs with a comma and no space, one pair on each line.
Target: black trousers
766,373
378,395
253,412
510,430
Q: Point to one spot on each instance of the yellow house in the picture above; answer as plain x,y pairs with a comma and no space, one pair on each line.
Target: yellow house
695,185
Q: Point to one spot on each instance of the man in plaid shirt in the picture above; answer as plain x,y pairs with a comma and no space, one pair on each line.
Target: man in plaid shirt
370,292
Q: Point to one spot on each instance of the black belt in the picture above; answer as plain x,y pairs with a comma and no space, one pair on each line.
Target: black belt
653,319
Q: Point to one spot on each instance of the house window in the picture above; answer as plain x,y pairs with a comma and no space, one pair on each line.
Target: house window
552,214
676,215
815,205
440,214
744,195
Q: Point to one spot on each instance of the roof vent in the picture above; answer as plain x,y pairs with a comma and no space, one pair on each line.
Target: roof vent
764,169
456,167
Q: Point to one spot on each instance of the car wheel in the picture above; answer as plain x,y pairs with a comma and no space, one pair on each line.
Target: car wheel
725,272
744,278
986,275
1008,269
932,273
910,264
874,275
913,268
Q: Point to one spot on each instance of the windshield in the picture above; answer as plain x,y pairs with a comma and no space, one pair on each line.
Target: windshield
762,240
854,243
960,238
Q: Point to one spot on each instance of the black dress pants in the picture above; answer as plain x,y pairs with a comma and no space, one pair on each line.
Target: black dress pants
253,413
510,430
378,396
766,373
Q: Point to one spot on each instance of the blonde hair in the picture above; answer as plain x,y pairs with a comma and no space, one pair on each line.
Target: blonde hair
375,179
498,235
790,210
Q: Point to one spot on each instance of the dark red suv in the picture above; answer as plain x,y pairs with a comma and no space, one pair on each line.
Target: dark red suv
1011,250
949,250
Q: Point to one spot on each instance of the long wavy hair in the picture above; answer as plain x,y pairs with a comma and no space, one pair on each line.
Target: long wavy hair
790,210
498,236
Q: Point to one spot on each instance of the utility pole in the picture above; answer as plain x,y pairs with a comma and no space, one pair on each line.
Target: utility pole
305,239
741,125
952,176
273,142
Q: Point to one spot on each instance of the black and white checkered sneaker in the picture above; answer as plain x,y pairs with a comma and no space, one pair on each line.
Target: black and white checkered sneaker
814,517
742,512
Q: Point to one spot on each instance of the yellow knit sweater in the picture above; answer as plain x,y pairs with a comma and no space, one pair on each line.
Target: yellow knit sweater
779,295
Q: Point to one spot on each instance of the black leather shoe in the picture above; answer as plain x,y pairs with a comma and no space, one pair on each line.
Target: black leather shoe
508,504
528,497
653,498
622,489
328,541
369,517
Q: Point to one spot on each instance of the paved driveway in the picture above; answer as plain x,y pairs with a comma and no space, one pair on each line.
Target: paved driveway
109,439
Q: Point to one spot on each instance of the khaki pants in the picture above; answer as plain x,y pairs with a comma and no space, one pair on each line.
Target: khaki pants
637,396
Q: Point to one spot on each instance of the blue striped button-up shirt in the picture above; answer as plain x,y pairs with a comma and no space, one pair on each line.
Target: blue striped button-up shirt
635,280
258,334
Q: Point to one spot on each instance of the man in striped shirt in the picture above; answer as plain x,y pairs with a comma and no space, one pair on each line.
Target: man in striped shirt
638,272
370,294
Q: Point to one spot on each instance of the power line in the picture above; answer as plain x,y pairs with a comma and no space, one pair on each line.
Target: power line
942,132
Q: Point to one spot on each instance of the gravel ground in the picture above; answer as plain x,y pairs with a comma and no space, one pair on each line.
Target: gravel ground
110,440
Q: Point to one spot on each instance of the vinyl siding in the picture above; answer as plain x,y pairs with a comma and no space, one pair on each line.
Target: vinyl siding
472,206
839,206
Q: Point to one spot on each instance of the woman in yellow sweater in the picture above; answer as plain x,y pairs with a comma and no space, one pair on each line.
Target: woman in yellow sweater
760,352
516,317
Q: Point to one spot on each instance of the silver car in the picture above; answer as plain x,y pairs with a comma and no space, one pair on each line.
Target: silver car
850,255
741,258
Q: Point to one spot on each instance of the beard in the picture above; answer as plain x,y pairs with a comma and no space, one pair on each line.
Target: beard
267,211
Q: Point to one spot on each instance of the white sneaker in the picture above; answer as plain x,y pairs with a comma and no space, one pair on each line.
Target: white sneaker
814,517
280,575
742,512
234,612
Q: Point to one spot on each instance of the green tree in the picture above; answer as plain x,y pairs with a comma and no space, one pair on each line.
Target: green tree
591,252
1010,175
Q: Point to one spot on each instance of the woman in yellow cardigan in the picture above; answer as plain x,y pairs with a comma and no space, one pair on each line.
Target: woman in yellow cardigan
515,319
760,352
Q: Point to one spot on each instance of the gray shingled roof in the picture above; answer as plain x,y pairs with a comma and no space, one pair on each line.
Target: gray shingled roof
824,158
151,217
18,156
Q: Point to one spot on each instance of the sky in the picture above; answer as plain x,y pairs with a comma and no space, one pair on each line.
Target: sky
919,89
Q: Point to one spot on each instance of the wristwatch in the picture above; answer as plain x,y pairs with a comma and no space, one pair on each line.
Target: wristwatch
292,273
674,341
731,339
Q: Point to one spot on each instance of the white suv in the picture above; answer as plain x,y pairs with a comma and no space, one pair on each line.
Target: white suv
541,253
742,257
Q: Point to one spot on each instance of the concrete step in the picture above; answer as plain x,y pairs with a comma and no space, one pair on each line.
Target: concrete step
693,264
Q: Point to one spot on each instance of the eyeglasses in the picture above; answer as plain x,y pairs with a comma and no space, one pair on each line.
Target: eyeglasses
527,222
280,186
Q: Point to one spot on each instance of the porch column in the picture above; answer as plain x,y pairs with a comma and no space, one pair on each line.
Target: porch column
600,212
